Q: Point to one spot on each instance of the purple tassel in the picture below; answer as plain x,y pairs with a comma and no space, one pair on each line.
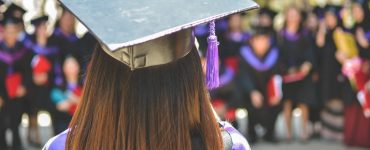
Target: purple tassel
212,75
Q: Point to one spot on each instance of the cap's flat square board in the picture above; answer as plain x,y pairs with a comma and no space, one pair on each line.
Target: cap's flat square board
120,23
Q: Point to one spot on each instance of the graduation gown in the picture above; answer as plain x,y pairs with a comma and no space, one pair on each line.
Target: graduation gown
67,44
295,50
333,84
229,51
14,71
40,94
232,44
255,74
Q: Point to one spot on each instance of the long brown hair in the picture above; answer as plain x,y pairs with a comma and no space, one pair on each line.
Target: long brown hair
156,108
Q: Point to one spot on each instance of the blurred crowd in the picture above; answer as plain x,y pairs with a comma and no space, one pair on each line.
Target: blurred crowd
311,55
301,54
39,71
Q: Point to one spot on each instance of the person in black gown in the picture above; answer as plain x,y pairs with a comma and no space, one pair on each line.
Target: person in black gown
259,68
45,55
15,72
66,40
311,25
335,87
297,61
2,95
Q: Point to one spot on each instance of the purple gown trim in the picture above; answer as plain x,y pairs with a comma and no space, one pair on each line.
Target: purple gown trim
293,36
239,142
48,51
255,62
27,42
71,37
227,76
44,50
11,58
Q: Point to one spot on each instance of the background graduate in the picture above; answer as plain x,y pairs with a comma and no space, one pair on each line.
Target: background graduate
44,63
335,87
297,64
259,78
15,60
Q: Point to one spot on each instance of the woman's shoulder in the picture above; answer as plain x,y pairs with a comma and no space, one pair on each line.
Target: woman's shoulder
57,142
237,139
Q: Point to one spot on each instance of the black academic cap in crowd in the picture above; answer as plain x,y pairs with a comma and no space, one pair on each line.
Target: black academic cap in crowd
37,21
7,20
144,33
259,30
14,10
268,12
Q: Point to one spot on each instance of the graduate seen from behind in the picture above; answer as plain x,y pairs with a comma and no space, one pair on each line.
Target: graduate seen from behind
259,79
144,87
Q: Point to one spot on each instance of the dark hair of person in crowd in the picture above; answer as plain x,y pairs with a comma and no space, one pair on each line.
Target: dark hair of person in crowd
155,108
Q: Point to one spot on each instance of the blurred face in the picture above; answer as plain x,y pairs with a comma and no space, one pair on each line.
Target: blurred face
235,22
67,22
41,30
312,22
358,12
330,20
293,17
11,32
260,44
71,69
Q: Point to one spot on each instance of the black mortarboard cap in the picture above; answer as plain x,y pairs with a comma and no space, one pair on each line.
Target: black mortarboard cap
14,10
268,12
10,20
37,21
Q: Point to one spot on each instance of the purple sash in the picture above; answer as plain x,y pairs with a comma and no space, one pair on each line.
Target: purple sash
290,36
11,58
44,50
255,62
